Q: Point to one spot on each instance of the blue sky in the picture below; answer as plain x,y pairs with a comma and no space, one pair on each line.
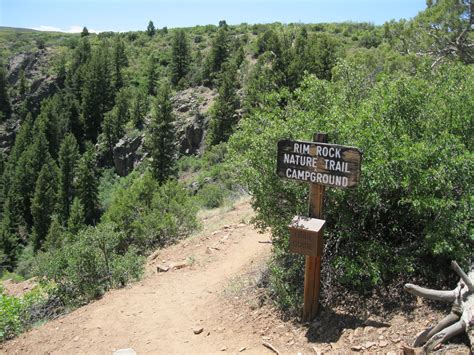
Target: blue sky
126,15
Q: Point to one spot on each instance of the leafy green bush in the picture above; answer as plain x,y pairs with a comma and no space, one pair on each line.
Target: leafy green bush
410,213
17,313
10,321
212,195
150,214
90,264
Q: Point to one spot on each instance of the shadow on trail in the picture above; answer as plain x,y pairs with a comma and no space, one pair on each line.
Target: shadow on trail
329,326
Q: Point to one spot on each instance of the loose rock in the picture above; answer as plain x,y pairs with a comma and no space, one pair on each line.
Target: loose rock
198,330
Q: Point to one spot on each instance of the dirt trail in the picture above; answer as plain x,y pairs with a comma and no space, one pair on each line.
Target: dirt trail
159,314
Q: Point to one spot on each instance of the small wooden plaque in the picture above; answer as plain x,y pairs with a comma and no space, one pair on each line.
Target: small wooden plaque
306,235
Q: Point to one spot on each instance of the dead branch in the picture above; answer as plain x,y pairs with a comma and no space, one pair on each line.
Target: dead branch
436,295
463,276
461,318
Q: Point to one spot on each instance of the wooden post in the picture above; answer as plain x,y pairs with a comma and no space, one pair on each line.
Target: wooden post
312,274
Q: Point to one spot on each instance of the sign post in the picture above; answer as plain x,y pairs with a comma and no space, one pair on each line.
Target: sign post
321,164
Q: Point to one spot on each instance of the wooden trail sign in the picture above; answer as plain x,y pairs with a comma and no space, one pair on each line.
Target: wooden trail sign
321,164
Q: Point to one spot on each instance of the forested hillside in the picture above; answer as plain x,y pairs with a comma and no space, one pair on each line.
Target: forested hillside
111,143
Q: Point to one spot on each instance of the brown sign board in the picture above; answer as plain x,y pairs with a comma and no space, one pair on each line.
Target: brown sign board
306,236
319,163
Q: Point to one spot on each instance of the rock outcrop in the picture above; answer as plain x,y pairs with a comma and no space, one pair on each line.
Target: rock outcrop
128,153
191,108
36,67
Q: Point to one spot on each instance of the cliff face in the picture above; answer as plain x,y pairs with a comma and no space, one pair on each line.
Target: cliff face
38,70
191,108
41,83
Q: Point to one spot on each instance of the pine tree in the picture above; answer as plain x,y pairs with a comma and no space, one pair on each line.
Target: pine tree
76,76
113,126
9,238
5,106
22,140
68,156
44,202
119,61
24,177
151,76
48,121
85,32
223,115
150,30
160,139
77,219
23,85
139,108
218,54
180,57
88,185
54,238
96,94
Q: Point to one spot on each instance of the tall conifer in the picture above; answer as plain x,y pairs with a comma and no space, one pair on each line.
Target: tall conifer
160,139
88,185
44,202
67,159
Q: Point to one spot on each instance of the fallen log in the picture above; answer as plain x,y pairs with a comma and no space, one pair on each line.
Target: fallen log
461,318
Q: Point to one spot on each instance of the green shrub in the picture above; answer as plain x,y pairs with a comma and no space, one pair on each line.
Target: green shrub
212,195
10,320
410,213
190,164
90,264
17,313
150,214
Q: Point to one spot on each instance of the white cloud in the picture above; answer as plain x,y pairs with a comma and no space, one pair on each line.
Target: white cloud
72,29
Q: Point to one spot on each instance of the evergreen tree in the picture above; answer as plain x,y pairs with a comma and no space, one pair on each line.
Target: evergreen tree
150,30
96,94
223,114
119,61
44,202
180,57
151,76
48,122
10,244
23,85
85,32
113,126
24,177
3,180
54,238
139,108
81,54
218,54
70,117
22,140
444,30
5,106
160,139
87,187
61,71
77,219
323,52
76,77
68,156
